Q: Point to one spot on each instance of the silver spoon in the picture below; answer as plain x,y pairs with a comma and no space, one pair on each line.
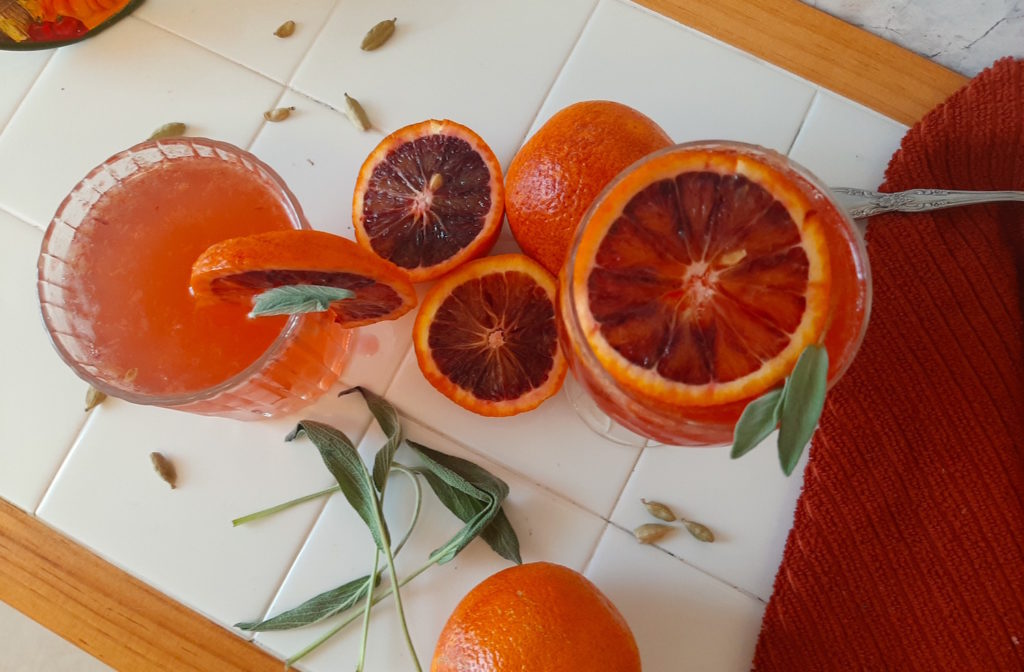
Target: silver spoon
861,203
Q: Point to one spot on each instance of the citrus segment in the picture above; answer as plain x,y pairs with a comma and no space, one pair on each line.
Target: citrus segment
701,276
537,616
486,336
556,174
429,198
237,269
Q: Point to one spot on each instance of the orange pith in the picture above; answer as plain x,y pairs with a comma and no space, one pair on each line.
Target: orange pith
538,617
562,167
486,336
701,277
429,198
239,268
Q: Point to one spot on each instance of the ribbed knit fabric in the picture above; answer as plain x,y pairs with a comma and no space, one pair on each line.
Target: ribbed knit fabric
907,550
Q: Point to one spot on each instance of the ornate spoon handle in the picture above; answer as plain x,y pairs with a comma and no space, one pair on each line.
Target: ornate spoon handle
863,203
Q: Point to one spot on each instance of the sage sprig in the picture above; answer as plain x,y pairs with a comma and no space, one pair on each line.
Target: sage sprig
794,409
469,491
292,299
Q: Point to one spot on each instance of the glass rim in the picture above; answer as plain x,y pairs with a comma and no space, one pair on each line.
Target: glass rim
568,286
223,150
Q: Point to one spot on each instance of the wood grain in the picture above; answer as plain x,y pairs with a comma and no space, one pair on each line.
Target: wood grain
132,627
822,49
115,617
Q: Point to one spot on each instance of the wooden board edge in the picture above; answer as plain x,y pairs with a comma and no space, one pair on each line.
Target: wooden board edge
105,611
822,49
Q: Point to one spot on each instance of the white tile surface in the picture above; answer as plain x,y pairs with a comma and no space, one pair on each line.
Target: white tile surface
98,97
41,401
340,549
694,87
485,65
748,504
846,144
20,70
549,444
682,619
108,498
245,32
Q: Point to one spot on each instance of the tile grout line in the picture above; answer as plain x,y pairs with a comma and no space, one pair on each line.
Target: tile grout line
63,462
28,90
803,121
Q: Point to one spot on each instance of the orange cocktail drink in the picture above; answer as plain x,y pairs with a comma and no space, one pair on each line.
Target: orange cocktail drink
114,285
695,281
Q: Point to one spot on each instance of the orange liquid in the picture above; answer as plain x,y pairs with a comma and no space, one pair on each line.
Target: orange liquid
132,265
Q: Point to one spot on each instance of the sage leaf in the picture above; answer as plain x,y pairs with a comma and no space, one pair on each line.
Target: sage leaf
343,461
474,495
387,418
802,405
291,299
324,605
759,419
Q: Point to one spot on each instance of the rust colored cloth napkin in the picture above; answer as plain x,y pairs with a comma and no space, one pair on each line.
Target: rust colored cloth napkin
907,550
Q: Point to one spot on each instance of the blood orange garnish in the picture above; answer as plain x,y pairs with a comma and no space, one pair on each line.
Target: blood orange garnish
429,198
701,276
237,269
486,336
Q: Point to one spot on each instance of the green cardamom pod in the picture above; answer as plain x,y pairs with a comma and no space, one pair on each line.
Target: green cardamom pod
285,29
93,398
699,532
651,532
278,113
356,114
165,468
378,35
659,510
171,130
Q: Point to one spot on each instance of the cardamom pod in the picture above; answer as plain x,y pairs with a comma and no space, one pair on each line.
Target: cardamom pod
651,532
356,114
378,35
659,510
165,468
285,29
278,113
171,130
93,398
699,532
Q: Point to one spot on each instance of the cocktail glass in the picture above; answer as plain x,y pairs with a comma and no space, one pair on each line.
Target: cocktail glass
616,410
113,285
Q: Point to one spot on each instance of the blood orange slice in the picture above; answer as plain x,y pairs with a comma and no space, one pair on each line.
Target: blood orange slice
701,275
486,336
429,198
239,268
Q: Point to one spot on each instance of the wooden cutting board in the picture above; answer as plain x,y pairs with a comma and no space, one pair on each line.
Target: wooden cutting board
131,626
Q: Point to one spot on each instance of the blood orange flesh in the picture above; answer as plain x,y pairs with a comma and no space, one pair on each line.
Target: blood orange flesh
701,277
429,198
486,336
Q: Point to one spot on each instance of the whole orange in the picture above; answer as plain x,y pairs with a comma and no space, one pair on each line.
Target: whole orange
556,175
537,617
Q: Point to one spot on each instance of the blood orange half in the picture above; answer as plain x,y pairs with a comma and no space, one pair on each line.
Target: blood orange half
701,275
239,268
429,198
486,336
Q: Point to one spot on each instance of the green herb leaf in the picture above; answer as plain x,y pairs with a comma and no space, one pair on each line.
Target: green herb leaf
802,404
387,418
292,299
759,419
474,495
343,461
324,605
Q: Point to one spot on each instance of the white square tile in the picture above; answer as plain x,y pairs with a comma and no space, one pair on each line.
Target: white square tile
41,401
748,503
485,65
846,144
108,498
20,70
101,96
550,444
682,619
244,31
693,86
339,550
